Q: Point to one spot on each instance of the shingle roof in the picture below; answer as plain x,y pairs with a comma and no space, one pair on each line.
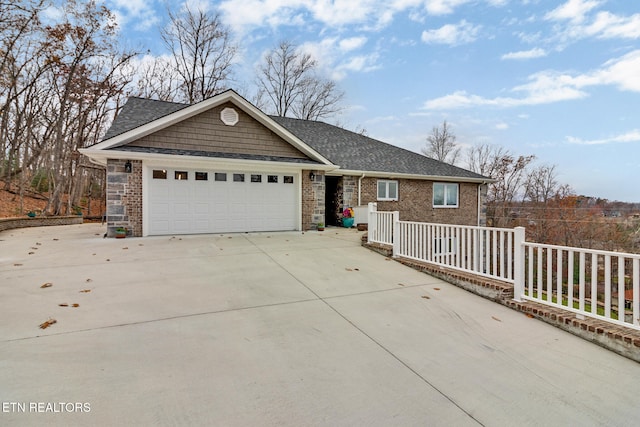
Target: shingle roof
346,149
140,111
352,151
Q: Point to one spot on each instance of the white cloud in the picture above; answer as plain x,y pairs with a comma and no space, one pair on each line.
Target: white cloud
551,86
525,54
631,136
352,43
502,126
607,25
442,7
333,61
572,10
452,34
139,13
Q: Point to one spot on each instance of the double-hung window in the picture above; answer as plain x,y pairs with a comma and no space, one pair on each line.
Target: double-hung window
445,195
387,190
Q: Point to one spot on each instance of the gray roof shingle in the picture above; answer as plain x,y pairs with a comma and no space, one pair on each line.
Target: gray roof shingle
349,150
352,151
140,111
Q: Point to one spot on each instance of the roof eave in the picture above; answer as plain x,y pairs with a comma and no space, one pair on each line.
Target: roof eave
391,175
101,156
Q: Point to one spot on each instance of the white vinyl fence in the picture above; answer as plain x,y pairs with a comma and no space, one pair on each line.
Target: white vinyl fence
600,284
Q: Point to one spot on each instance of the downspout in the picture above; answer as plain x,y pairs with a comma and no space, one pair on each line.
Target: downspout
360,189
479,192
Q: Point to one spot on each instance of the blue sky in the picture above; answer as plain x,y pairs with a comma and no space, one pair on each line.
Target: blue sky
557,79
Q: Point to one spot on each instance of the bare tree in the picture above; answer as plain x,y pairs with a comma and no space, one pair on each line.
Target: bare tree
156,78
541,184
508,171
289,85
57,86
203,53
441,144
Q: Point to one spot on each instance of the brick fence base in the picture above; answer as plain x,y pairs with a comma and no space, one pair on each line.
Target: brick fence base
10,223
621,340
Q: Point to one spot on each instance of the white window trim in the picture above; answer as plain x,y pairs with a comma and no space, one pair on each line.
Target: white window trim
446,185
387,182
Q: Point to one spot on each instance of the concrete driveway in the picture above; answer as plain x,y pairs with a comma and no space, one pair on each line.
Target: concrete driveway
296,329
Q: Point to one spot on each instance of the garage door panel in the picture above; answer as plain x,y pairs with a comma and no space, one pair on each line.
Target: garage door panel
208,206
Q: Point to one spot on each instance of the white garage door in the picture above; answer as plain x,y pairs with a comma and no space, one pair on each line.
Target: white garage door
191,201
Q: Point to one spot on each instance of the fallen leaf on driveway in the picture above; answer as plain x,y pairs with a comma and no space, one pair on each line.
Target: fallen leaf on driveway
17,265
74,305
64,305
31,253
400,284
125,248
495,318
529,315
140,244
38,244
47,285
48,323
85,291
56,239
348,269
356,269
89,280
387,259
108,259
436,289
426,297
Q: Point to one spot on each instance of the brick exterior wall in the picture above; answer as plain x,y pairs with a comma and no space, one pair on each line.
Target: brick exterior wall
415,202
313,199
124,197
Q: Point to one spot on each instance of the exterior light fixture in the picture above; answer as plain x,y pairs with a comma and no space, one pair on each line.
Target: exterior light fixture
312,176
127,166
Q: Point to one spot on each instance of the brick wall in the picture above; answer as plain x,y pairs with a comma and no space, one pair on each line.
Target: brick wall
415,202
124,197
42,221
313,199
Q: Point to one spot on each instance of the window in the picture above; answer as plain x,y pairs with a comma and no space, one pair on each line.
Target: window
272,179
202,176
256,178
387,190
181,175
159,174
288,180
220,176
238,177
445,195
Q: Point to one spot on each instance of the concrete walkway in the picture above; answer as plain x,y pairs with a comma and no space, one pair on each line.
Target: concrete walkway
296,329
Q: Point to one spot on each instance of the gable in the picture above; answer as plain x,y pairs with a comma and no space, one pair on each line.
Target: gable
205,132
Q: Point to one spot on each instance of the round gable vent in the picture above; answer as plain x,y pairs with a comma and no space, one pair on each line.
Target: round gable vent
229,116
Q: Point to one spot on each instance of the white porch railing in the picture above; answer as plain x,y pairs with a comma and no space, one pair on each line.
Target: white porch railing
380,228
484,251
600,284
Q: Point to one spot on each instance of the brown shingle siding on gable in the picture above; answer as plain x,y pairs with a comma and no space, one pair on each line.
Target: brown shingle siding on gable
206,132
